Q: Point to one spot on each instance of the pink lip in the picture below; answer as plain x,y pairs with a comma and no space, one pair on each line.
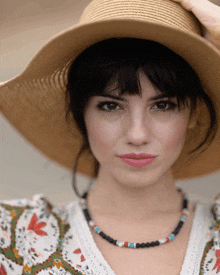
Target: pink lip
138,162
137,156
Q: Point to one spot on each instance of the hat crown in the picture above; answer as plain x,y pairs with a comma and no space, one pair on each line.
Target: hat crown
164,12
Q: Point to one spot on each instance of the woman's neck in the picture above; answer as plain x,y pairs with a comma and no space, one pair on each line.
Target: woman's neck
115,200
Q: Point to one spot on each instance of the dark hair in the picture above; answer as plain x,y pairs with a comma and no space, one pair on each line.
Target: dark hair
91,71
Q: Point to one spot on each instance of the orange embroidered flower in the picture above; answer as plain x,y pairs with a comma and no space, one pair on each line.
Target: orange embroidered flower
12,213
217,264
16,253
57,263
27,269
217,227
36,227
3,270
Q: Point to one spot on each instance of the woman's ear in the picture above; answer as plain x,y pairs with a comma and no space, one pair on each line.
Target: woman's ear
193,120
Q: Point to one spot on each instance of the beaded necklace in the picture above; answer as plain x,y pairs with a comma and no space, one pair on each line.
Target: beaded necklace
185,213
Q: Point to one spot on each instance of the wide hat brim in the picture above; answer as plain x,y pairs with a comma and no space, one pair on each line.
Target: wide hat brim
34,101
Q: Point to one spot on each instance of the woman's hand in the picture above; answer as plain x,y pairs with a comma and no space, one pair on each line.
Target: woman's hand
209,16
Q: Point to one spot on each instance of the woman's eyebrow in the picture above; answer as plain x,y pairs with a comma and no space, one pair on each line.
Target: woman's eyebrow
160,96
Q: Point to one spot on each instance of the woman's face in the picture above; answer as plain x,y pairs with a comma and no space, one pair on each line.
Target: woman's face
135,125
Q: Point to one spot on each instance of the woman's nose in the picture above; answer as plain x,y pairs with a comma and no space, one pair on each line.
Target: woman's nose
138,129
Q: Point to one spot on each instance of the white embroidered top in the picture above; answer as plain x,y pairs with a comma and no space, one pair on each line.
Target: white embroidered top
39,238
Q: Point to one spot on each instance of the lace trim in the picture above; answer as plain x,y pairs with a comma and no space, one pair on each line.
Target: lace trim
96,260
197,242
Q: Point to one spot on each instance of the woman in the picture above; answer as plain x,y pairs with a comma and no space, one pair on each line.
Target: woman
145,112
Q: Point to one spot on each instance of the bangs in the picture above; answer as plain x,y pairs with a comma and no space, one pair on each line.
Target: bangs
127,82
119,60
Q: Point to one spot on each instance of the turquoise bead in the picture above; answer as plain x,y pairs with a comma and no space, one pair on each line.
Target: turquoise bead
84,207
183,218
131,244
96,229
171,237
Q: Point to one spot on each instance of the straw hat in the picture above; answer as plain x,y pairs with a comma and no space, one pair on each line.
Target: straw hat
34,101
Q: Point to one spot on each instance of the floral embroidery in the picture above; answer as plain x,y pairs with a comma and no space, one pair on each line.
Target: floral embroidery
217,264
72,253
57,263
210,263
55,271
9,266
36,227
77,251
16,252
2,270
5,224
27,269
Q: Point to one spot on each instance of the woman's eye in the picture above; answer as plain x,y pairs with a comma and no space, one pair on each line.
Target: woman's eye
108,106
165,106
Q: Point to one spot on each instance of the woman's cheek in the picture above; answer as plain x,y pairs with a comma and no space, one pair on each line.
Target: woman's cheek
175,136
102,138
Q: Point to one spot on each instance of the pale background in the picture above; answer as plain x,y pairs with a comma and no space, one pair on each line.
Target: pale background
25,26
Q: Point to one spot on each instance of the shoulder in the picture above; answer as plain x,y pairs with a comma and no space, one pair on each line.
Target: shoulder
30,212
32,234
210,262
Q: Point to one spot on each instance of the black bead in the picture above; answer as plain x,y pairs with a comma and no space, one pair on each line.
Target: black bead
111,240
185,203
157,243
152,244
114,242
143,245
138,245
102,234
87,215
176,231
180,224
147,244
107,238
